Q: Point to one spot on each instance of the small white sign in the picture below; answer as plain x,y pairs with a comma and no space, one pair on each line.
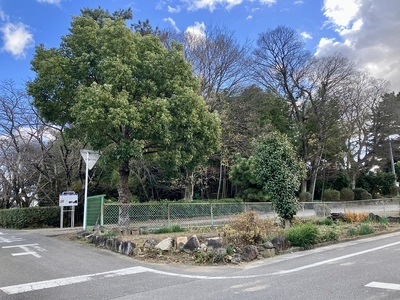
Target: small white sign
68,200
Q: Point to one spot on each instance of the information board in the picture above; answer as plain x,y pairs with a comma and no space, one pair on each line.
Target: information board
68,200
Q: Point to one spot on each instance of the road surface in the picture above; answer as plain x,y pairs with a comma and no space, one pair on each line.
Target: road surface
39,267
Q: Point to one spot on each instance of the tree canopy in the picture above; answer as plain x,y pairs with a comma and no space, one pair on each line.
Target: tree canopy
126,94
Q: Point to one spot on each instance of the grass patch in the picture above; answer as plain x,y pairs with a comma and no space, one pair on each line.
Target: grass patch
109,233
352,232
170,229
365,229
328,234
304,235
384,220
327,222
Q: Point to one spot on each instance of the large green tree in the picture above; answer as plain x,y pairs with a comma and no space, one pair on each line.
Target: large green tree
280,172
126,94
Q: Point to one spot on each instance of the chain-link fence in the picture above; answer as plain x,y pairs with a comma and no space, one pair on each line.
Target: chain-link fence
215,214
184,214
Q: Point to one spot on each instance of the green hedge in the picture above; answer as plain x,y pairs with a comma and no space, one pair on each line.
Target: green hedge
346,194
330,195
31,217
361,194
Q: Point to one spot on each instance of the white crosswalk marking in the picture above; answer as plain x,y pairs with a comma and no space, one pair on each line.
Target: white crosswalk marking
27,249
11,239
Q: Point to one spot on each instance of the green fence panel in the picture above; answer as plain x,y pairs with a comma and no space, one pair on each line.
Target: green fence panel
94,213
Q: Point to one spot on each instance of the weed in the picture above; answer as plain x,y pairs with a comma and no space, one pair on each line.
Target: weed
214,257
305,235
170,229
384,220
109,233
327,222
365,229
352,232
328,234
247,228
355,217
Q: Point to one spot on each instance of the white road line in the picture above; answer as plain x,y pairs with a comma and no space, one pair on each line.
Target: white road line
34,286
383,285
324,262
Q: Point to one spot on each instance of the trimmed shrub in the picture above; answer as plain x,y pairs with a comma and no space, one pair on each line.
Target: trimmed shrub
361,194
346,194
30,217
305,197
305,235
330,195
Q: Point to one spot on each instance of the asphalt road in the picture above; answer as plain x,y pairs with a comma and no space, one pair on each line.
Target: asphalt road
36,266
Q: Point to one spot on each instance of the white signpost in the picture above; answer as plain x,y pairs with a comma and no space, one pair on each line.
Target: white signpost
90,157
68,199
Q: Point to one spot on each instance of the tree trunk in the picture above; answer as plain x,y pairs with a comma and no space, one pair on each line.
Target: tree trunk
220,179
313,182
189,185
287,223
224,193
124,194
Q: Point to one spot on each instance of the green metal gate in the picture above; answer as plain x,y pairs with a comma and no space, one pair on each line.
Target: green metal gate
94,214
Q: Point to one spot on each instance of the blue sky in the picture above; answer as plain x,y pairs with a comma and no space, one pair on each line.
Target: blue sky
367,31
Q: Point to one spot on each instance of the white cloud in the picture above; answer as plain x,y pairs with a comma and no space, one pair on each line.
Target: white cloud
268,2
49,1
339,12
17,39
298,2
172,22
174,9
249,17
3,16
306,35
197,30
211,4
368,33
195,34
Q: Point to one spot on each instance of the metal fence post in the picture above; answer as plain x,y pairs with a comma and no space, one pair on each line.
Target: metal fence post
384,209
212,216
169,214
102,211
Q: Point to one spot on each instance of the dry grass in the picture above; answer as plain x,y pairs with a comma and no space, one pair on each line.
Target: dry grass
352,217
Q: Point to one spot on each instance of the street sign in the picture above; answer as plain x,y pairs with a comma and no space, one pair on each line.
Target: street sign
90,157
